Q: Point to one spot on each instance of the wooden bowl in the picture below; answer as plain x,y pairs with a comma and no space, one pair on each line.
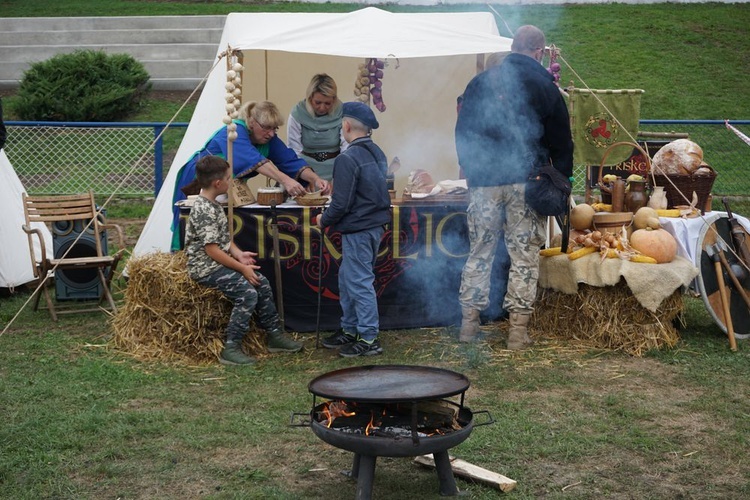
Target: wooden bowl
612,221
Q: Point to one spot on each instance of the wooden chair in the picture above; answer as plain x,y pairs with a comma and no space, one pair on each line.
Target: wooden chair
51,209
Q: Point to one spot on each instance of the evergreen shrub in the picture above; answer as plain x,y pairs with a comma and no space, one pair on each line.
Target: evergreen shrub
85,85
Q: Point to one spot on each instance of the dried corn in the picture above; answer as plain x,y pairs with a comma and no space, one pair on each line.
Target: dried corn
645,259
601,207
672,212
549,252
581,252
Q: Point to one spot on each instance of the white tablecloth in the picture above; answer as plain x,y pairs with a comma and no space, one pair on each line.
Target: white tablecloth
687,232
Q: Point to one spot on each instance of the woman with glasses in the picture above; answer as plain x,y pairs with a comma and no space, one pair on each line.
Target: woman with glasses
314,126
256,150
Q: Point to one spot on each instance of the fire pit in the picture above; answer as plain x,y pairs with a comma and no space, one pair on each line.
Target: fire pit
392,411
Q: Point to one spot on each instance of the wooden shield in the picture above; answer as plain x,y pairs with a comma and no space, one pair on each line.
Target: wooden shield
718,228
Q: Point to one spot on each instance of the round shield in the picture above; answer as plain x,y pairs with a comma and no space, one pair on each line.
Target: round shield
715,235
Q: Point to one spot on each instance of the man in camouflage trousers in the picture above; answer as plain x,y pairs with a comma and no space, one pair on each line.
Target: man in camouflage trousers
512,118
216,262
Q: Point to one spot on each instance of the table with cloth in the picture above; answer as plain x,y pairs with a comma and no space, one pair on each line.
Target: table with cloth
417,273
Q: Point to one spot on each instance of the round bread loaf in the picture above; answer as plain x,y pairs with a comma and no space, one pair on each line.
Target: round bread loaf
680,157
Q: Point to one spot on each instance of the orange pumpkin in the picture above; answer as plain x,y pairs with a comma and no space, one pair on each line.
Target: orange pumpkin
655,243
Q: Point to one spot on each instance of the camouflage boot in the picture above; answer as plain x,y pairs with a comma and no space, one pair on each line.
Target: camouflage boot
518,334
277,341
469,325
232,355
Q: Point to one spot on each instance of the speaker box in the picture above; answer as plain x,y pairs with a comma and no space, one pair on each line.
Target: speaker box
79,284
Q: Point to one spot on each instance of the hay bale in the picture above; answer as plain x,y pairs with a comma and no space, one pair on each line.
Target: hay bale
169,317
608,318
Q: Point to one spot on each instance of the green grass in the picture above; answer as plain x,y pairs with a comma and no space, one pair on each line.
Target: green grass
84,421
689,58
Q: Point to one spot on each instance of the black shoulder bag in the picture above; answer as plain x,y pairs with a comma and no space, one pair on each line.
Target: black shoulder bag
548,190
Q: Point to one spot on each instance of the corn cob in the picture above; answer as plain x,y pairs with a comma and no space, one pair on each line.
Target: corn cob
549,252
581,252
643,259
672,212
601,207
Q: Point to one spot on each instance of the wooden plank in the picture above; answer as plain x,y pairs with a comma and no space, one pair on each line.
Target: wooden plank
464,469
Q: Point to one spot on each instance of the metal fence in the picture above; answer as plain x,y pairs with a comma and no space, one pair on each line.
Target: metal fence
62,158
73,157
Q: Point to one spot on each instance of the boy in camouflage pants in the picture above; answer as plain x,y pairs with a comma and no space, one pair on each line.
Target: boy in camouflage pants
216,262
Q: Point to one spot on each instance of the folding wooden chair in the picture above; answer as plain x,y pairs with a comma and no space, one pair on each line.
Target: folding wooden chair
51,209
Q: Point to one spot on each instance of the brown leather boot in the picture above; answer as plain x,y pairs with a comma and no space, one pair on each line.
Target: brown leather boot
518,334
469,325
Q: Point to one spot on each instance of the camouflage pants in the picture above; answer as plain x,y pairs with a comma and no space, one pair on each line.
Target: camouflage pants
492,212
246,299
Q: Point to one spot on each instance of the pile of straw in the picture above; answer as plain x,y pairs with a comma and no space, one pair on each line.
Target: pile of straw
169,317
608,318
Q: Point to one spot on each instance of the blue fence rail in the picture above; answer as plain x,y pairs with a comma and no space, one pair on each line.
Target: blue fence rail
66,157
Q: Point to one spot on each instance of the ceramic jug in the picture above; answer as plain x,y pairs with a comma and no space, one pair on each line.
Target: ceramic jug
618,195
636,196
658,199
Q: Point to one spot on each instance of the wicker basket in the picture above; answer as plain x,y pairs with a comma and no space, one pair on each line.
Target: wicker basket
680,188
310,201
270,196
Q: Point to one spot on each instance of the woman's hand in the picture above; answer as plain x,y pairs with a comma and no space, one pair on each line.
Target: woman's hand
292,187
323,185
309,175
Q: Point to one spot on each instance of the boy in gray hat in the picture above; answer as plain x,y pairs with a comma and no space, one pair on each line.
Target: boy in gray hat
359,210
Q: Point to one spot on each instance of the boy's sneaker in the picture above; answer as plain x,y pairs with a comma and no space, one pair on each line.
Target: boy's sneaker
338,339
361,348
233,355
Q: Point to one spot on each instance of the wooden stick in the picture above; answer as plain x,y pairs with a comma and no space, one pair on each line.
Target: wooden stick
464,469
725,305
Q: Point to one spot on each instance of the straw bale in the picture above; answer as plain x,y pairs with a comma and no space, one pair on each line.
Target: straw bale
608,318
169,317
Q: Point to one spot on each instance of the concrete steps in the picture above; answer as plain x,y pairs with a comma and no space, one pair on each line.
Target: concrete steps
177,51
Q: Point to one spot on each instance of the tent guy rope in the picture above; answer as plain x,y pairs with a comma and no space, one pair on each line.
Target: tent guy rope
115,191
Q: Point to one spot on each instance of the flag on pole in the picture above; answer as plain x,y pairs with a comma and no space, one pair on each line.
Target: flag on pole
600,118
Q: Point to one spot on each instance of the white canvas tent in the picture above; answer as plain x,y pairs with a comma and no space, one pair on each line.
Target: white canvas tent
15,262
430,56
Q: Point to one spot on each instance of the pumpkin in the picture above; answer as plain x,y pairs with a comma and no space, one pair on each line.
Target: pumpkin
582,216
656,243
646,217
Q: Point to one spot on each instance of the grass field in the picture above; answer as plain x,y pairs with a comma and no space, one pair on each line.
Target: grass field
84,421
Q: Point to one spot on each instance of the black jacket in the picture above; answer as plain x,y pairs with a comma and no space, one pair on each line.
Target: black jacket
512,116
360,197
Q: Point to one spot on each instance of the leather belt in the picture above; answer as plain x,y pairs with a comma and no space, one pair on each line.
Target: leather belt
322,156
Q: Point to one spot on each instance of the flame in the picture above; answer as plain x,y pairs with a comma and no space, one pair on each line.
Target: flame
369,427
335,409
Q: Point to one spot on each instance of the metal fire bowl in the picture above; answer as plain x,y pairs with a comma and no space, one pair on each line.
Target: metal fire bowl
400,446
389,383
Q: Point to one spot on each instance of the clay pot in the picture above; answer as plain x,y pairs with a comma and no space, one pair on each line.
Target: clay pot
658,199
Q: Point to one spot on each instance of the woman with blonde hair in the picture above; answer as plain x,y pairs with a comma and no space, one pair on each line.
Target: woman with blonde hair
256,150
314,126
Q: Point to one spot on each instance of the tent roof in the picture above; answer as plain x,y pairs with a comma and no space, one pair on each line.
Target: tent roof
365,33
368,32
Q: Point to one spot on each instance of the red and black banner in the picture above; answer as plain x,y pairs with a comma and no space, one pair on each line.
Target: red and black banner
417,275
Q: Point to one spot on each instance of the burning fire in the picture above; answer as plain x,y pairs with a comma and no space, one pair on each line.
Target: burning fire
335,409
434,419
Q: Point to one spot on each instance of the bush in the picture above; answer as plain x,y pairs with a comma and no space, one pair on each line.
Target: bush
84,85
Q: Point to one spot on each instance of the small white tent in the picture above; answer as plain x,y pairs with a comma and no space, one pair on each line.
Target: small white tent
15,261
431,57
